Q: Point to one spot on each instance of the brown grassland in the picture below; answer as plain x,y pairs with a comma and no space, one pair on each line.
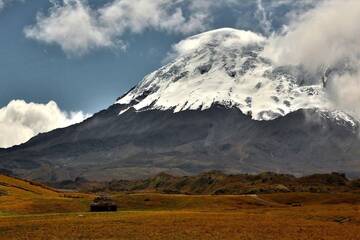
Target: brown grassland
33,211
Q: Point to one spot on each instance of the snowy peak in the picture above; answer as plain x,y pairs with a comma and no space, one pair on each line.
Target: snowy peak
226,67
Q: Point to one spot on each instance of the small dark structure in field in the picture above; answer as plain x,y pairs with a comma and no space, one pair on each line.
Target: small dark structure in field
103,204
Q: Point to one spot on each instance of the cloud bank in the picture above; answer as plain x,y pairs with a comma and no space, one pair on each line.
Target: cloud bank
325,35
326,41
20,121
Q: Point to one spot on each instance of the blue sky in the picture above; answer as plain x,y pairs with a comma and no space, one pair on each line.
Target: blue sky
39,71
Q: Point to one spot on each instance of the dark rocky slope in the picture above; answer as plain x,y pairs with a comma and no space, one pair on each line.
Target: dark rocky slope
140,144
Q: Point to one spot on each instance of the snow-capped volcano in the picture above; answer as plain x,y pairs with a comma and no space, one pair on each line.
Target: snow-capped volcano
226,67
223,74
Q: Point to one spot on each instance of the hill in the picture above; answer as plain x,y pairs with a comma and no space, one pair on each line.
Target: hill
24,197
218,183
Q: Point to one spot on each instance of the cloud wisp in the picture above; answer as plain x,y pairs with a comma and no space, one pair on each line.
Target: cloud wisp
20,121
3,3
261,14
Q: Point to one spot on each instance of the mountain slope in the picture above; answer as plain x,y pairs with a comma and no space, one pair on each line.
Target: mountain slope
138,144
218,105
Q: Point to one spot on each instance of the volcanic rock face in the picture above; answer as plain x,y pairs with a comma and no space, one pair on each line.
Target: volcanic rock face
218,105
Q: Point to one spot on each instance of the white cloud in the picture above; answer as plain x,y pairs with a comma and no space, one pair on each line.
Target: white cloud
345,92
20,121
326,37
78,28
72,25
138,15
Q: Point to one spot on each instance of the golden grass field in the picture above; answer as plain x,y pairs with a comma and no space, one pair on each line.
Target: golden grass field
29,211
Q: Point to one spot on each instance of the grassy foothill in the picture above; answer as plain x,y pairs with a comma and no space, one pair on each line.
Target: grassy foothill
32,211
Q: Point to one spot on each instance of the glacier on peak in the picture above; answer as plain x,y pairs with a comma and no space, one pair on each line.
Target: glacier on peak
226,67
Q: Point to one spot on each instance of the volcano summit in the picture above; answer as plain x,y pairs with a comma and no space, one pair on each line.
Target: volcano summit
218,104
